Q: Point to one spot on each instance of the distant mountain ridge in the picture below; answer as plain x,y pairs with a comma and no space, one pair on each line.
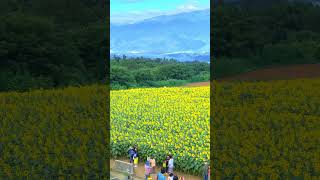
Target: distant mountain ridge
264,2
183,36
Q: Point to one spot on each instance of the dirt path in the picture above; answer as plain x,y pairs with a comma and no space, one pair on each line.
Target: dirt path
139,171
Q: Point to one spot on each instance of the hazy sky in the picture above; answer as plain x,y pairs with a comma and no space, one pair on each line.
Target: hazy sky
129,11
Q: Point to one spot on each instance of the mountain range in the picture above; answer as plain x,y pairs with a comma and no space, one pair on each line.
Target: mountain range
183,36
264,2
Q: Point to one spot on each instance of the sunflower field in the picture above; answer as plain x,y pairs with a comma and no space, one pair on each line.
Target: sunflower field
54,134
161,121
266,130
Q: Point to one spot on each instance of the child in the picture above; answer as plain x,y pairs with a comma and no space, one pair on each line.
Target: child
170,176
135,159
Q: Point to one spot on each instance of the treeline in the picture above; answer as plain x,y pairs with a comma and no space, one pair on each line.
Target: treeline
144,72
52,43
274,33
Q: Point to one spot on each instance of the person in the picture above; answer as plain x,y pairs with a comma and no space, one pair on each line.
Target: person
135,148
181,178
170,164
164,165
167,163
160,175
135,159
170,176
208,172
131,153
205,171
153,164
147,168
175,177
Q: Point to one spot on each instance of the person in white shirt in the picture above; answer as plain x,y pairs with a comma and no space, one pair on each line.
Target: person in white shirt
170,164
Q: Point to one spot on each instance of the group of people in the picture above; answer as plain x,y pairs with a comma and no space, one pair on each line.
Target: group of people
167,166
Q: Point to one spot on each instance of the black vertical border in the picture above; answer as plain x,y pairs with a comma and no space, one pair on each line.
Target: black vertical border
212,88
108,126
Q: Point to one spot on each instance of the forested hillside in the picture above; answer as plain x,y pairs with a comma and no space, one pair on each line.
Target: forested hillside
143,72
52,43
253,36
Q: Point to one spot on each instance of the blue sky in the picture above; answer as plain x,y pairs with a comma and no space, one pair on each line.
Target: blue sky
130,11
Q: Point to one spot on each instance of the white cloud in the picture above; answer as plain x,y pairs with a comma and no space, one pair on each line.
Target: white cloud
135,16
189,6
130,1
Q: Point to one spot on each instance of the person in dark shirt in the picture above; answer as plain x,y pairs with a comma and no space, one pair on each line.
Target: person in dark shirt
167,163
131,152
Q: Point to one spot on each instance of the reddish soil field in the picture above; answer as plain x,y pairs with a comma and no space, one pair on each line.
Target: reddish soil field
275,73
198,84
280,73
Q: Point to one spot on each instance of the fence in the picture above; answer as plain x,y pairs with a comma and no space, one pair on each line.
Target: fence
125,168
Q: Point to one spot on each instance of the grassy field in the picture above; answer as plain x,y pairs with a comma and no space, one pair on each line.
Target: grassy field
267,130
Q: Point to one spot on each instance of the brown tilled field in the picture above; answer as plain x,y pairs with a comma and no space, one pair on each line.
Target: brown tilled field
275,73
280,73
198,84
